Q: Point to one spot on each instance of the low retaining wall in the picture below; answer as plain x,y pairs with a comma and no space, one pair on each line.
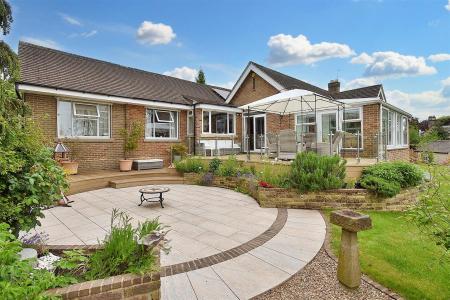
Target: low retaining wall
358,199
126,286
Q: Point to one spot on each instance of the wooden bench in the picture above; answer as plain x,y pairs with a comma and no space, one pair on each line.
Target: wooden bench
147,164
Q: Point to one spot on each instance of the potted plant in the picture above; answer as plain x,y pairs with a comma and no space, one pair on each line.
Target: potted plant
178,151
130,142
69,164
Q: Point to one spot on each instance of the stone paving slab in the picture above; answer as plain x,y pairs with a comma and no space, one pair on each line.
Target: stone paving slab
248,249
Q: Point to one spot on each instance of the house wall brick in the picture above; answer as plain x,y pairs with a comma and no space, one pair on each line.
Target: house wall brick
370,128
399,154
246,94
102,154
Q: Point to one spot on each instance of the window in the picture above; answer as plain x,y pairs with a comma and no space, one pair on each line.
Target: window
351,125
218,122
190,123
395,128
162,124
76,119
306,123
405,130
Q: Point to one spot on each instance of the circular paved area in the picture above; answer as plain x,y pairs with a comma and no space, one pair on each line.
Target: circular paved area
223,245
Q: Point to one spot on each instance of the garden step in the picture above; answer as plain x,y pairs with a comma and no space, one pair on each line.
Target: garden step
145,181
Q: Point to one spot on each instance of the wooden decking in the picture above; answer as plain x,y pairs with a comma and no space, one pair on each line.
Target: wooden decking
96,179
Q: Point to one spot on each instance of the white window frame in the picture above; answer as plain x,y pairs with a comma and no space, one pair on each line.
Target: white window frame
397,140
360,119
73,113
150,138
306,124
228,120
190,131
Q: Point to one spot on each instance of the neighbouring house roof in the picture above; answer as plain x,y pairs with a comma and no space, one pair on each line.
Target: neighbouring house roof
46,67
437,147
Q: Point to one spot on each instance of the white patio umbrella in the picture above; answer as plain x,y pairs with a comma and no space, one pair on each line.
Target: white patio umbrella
292,101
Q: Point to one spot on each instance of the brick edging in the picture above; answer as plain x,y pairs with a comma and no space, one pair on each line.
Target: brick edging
204,262
329,252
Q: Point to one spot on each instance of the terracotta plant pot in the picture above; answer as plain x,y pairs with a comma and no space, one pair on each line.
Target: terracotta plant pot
125,165
70,167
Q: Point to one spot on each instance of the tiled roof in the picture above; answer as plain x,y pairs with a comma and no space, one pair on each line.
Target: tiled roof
52,68
289,82
364,92
437,147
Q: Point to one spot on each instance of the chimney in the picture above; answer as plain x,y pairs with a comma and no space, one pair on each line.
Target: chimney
334,86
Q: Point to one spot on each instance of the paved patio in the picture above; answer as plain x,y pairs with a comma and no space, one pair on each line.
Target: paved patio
223,245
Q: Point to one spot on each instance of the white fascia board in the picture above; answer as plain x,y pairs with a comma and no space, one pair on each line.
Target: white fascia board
96,97
367,101
219,108
251,67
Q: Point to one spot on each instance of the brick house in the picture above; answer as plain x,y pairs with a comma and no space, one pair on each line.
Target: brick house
86,102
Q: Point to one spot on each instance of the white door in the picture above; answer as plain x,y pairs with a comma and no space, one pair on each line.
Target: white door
256,130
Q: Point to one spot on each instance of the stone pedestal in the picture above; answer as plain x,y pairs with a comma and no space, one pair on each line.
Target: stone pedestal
349,272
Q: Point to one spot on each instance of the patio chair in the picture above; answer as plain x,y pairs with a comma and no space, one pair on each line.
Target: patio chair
272,145
287,144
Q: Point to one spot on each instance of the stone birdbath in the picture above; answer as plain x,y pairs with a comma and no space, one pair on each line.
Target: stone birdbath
349,272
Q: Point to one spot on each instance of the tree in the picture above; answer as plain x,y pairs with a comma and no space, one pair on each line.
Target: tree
200,77
30,179
5,17
8,59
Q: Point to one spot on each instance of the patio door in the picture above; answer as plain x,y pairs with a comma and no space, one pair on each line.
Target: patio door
256,130
328,126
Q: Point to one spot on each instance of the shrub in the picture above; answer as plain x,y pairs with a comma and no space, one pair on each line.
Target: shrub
405,174
29,178
229,167
275,175
122,253
18,279
214,165
190,165
380,186
311,172
179,149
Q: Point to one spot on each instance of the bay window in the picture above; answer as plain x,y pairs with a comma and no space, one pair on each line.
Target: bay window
217,122
83,120
352,125
161,124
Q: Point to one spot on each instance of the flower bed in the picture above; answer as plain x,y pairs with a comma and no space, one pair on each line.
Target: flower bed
289,198
126,286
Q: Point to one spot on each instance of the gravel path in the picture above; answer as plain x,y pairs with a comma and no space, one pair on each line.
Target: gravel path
318,281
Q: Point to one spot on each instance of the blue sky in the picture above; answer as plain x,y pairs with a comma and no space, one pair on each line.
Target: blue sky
403,44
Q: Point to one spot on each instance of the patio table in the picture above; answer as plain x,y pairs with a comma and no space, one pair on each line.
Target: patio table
154,190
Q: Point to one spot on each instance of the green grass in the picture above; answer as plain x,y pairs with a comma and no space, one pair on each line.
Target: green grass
398,255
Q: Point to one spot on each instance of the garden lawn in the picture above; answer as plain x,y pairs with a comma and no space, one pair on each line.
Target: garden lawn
396,254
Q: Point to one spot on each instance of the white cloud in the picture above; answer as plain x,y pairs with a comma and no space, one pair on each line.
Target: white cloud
361,82
70,20
155,33
448,5
423,104
89,33
362,59
393,64
42,42
286,49
439,57
183,73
